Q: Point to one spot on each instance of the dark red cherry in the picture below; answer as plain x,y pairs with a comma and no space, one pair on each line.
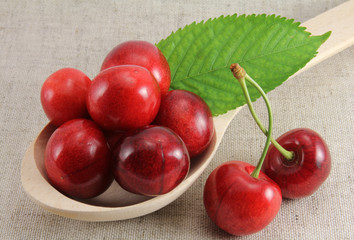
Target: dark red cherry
150,161
309,168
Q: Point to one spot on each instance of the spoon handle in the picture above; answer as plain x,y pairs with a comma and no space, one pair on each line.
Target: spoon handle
339,20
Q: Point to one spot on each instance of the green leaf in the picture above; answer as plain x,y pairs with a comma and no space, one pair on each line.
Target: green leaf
269,48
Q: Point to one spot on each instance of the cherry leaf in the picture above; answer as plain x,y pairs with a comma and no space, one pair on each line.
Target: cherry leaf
270,48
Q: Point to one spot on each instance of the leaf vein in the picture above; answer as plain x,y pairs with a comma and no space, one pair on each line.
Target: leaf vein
244,35
243,61
222,47
185,54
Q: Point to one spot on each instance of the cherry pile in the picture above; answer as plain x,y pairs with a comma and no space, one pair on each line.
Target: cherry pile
124,125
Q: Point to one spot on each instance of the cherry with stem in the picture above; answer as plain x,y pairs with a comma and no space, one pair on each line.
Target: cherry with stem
299,161
238,197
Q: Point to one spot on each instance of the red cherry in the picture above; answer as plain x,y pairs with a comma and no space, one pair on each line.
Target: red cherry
151,161
310,167
63,95
78,160
189,116
123,98
239,203
143,54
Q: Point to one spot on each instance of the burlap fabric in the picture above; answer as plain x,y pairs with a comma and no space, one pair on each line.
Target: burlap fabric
40,37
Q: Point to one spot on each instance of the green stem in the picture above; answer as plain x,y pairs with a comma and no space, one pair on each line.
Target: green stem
240,74
287,154
258,168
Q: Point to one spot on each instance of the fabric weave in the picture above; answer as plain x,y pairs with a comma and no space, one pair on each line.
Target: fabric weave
40,37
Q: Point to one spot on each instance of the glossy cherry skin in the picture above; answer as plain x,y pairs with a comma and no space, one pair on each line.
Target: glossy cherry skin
78,160
123,98
239,203
151,161
143,54
309,168
190,117
63,95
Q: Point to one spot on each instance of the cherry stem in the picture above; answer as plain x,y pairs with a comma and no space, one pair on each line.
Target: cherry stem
287,154
240,75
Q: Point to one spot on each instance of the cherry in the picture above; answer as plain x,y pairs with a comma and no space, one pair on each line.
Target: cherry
143,54
310,166
150,161
78,160
63,95
124,97
189,116
239,203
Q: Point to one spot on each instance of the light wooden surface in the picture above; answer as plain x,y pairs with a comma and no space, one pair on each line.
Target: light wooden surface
116,204
340,20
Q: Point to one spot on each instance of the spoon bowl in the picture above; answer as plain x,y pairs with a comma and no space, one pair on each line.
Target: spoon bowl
118,204
115,203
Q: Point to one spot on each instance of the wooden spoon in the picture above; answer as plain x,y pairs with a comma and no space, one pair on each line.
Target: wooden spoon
116,203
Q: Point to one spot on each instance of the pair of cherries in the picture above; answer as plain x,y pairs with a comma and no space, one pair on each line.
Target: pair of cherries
242,199
125,125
